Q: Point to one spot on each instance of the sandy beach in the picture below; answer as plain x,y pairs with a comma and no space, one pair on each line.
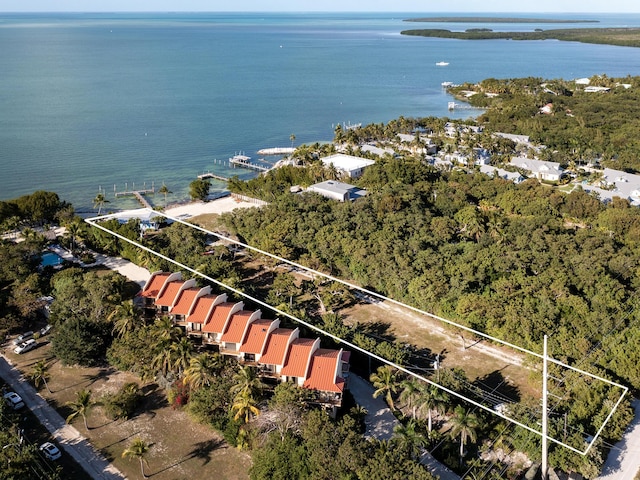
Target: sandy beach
220,205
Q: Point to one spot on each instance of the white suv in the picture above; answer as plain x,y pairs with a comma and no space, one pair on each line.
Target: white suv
25,346
13,400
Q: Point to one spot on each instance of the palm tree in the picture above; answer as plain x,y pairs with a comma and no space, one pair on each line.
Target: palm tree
74,230
463,424
165,331
201,370
99,202
138,449
292,137
164,190
245,405
81,406
246,381
384,381
181,355
125,317
406,437
431,399
40,374
410,393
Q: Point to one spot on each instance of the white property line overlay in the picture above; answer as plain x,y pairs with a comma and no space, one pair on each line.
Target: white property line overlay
93,222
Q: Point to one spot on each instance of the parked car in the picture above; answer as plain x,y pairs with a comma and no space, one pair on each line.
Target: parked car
13,400
45,330
25,346
21,338
50,451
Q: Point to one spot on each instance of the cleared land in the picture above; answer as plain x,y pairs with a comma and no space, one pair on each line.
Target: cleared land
180,448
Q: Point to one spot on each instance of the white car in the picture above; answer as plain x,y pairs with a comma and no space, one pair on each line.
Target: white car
25,346
13,400
22,338
50,451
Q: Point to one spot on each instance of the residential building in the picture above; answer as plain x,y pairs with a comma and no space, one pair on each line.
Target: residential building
347,165
542,170
343,192
279,354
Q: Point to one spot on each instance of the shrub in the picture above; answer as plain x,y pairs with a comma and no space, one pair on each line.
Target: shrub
124,403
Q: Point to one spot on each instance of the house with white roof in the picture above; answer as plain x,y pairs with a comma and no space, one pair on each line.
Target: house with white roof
523,139
348,164
542,170
493,172
336,190
616,183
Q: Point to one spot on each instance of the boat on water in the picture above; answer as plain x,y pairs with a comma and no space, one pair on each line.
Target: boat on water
447,84
442,64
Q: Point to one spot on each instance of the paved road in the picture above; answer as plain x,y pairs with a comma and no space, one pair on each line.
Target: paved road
623,461
65,435
380,422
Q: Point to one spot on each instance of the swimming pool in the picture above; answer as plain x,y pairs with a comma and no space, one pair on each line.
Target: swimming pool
50,259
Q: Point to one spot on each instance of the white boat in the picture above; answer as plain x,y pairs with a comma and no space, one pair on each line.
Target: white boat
442,64
447,84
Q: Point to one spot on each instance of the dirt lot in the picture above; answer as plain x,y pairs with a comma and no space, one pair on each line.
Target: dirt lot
180,448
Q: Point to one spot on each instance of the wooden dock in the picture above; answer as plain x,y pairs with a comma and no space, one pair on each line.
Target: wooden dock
204,176
139,196
245,162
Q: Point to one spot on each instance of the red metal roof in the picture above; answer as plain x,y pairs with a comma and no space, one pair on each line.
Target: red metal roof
298,359
237,326
322,373
218,318
169,294
276,348
201,309
185,301
154,285
254,341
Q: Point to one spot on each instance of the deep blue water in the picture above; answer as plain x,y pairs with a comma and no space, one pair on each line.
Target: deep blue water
49,259
90,101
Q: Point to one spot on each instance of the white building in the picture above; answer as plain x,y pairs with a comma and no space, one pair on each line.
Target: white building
548,171
348,164
335,190
492,171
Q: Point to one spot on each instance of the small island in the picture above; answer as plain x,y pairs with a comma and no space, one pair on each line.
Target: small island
496,20
623,37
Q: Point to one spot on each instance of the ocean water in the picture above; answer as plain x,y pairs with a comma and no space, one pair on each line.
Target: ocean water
92,102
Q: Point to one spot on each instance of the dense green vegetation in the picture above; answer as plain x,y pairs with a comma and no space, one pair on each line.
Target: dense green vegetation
624,37
496,20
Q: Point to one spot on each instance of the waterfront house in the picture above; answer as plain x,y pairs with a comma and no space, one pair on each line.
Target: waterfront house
347,165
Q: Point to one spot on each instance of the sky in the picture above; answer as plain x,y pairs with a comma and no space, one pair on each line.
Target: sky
539,6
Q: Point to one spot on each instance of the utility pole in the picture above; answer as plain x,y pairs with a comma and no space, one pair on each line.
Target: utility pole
544,410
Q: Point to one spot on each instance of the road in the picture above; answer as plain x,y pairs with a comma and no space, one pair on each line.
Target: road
65,435
623,461
380,422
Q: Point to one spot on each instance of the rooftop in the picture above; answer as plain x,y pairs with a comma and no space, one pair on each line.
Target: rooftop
297,362
201,309
254,341
153,286
237,326
169,294
185,301
276,349
218,318
323,371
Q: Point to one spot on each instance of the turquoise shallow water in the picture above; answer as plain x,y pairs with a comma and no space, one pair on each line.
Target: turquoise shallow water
90,102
